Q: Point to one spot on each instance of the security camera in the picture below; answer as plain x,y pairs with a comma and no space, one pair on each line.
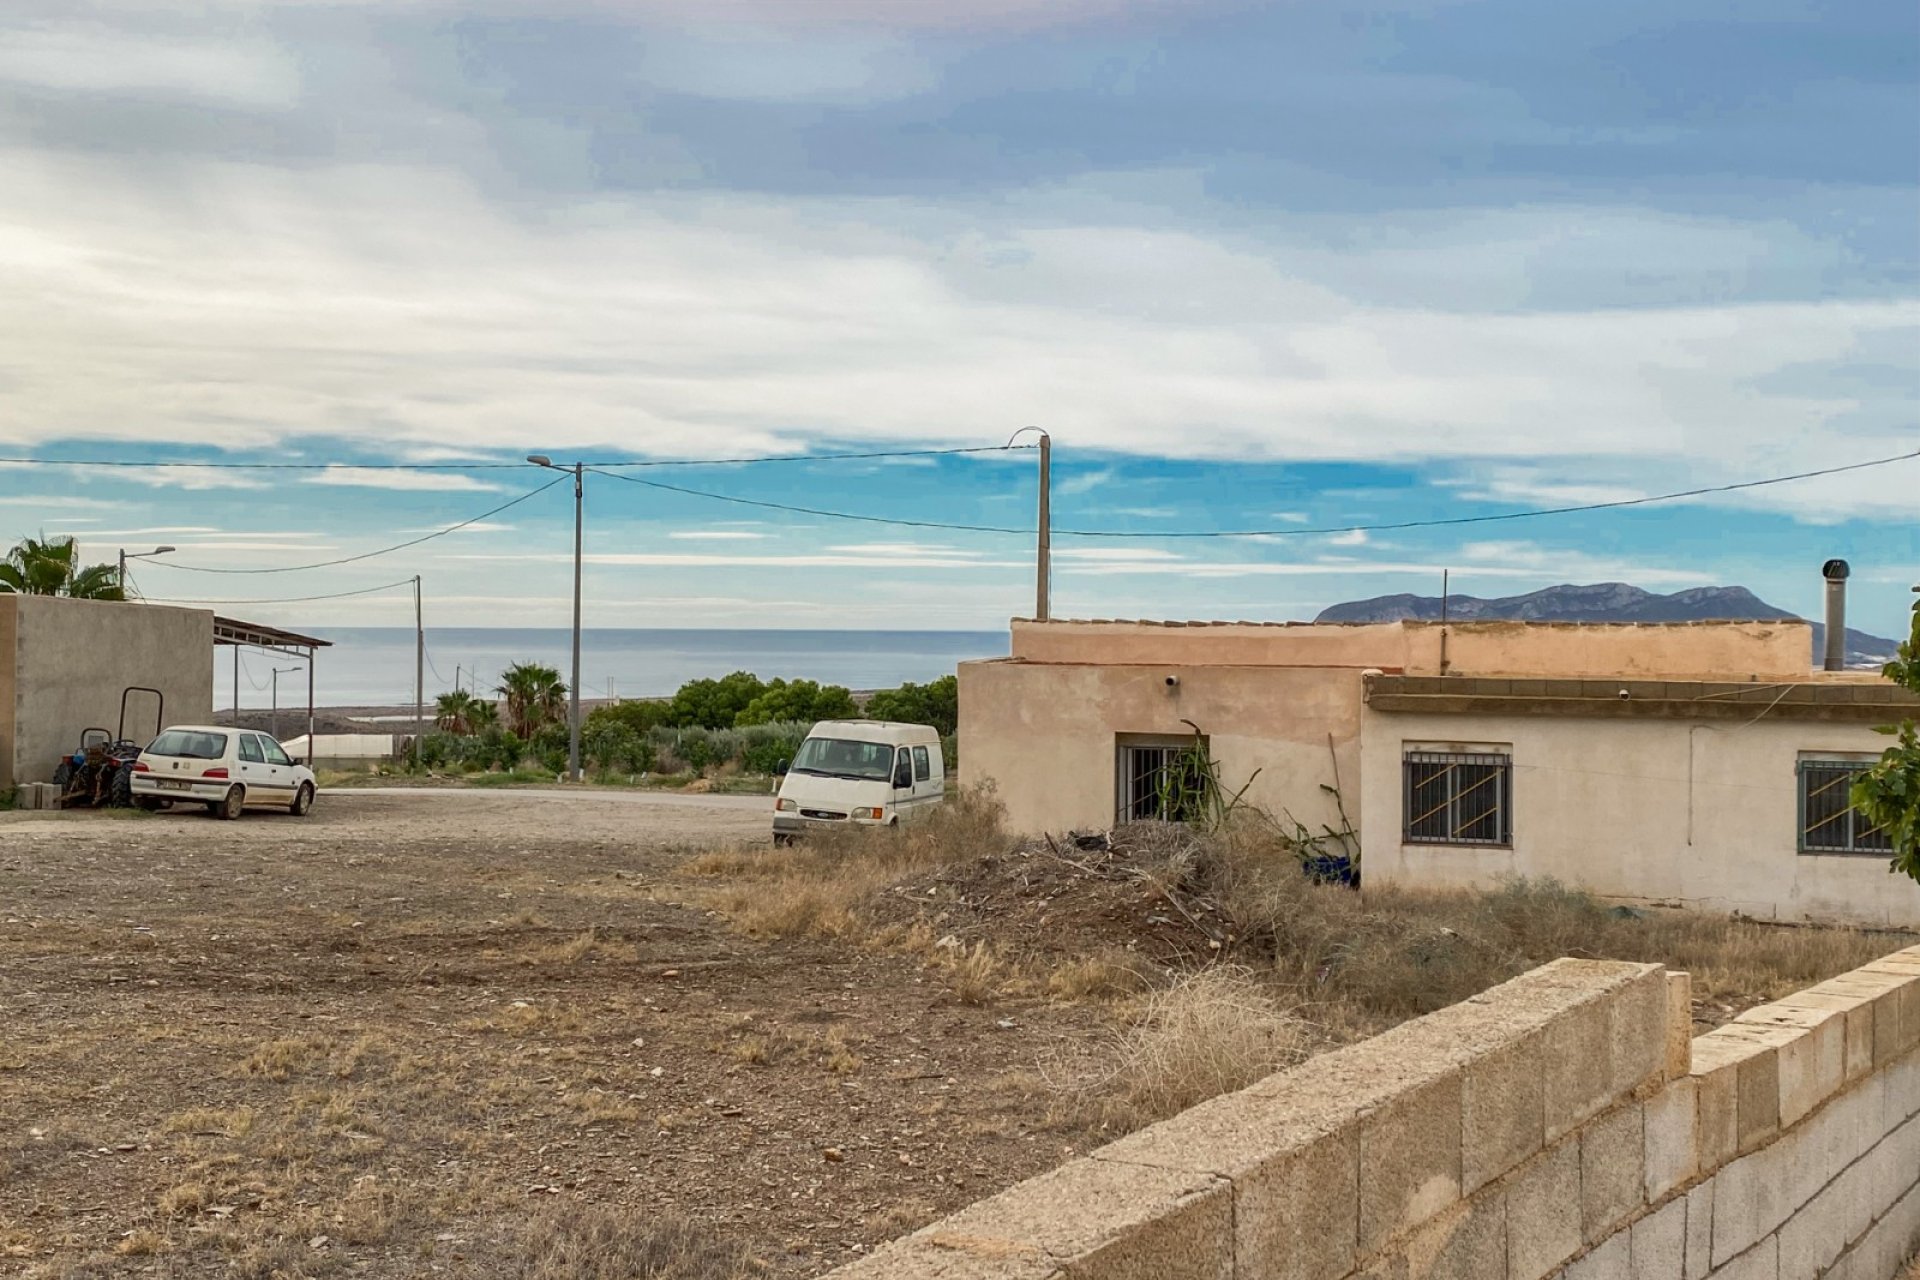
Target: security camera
1624,695
1173,682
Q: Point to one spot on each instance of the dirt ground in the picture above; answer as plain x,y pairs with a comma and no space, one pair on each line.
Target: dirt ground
383,1040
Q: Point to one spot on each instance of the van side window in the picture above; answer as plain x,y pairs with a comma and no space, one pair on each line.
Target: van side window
250,749
922,766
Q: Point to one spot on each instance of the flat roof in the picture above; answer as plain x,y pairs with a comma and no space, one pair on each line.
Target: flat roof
233,631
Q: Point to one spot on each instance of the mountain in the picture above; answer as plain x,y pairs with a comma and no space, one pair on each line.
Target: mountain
1607,602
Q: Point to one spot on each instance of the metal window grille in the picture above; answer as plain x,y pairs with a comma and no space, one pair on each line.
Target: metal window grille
1458,798
1160,782
1828,821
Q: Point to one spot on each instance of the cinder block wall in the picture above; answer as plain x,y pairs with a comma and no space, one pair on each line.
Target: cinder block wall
1563,1125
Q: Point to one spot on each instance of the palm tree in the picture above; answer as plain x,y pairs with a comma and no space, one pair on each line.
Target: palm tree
46,567
483,715
453,712
534,696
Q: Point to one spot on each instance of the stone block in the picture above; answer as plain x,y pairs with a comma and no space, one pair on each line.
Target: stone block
1672,1150
917,1259
1638,1034
1543,1212
1409,1161
1812,1062
1754,1048
1611,1259
1752,1197
1613,1171
1578,1080
1660,1243
1700,1231
1088,1218
1858,1012
1812,1239
1679,1025
1762,1262
1466,1242
1294,1169
1716,1077
1503,1110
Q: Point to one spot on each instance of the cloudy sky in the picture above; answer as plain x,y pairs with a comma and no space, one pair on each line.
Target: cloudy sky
1275,266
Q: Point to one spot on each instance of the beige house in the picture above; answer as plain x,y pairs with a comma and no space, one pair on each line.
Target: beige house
1702,764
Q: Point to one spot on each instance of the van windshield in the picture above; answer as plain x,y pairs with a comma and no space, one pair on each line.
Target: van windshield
189,745
845,758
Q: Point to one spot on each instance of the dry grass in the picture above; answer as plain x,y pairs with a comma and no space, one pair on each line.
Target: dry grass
1107,975
817,889
1211,1032
582,1243
975,973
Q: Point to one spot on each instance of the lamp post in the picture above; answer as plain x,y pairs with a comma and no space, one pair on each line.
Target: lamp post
275,714
121,581
573,685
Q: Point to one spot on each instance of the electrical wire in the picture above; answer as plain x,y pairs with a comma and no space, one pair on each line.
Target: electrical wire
1293,532
513,466
336,595
368,555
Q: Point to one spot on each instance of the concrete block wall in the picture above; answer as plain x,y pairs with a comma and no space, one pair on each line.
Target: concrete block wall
1562,1126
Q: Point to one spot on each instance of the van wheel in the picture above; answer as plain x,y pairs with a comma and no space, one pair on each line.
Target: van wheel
303,800
230,808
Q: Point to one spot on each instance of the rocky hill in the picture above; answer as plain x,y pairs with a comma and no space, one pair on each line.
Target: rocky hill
1606,602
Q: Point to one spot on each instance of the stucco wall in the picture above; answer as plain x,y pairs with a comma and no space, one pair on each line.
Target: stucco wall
1045,734
1561,1126
1707,650
70,660
1701,815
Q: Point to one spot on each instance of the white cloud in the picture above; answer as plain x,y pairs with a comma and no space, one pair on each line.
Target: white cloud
1084,482
902,549
1351,538
420,481
1292,517
197,478
1130,553
830,560
478,526
89,57
715,535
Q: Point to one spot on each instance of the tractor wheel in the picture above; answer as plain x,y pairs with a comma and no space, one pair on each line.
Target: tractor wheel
120,790
63,775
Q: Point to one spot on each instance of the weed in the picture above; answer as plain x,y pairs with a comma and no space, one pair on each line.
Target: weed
1213,1031
576,1242
974,973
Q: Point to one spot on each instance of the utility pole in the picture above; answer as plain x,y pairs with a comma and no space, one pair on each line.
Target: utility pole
579,470
1043,549
419,673
121,580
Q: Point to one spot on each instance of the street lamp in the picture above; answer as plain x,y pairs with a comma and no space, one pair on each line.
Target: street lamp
573,686
121,581
275,721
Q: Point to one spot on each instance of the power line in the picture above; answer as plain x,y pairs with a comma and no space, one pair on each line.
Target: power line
1290,532
337,595
511,466
368,555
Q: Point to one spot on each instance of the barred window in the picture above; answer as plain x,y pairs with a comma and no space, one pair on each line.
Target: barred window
1458,797
1161,780
1828,821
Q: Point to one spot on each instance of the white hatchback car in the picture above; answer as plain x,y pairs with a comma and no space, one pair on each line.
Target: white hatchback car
228,770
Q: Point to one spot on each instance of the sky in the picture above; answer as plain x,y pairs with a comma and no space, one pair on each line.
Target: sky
1275,267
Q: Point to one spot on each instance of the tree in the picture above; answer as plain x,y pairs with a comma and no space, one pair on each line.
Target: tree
797,700
937,704
713,704
483,715
453,712
535,697
1888,794
642,716
48,567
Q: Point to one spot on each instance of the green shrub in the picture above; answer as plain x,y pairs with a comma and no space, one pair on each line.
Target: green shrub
798,701
937,704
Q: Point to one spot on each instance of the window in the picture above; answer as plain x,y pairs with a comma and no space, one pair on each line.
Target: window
250,749
186,744
845,758
1457,797
276,754
1828,821
922,765
1161,780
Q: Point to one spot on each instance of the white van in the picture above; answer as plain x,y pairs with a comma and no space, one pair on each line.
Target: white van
874,772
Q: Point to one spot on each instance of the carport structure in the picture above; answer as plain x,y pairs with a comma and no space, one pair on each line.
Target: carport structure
288,644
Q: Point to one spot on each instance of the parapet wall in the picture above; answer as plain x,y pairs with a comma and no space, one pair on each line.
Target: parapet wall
1560,1125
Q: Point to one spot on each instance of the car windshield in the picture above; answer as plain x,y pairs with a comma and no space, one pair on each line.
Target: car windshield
189,744
845,758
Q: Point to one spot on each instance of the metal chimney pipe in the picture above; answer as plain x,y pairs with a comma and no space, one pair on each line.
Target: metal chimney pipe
1835,572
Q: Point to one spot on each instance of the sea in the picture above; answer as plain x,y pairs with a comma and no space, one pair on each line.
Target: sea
373,666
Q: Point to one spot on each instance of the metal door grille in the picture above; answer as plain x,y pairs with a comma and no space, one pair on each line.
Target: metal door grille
1828,821
1458,798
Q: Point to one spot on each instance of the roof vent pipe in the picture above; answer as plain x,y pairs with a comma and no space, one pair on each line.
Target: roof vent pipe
1835,572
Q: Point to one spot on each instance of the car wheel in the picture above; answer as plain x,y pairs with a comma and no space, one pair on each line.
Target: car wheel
152,804
230,808
303,800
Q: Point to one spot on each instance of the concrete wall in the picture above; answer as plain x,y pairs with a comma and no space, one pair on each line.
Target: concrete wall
1702,650
68,661
1560,1125
1045,735
1700,815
